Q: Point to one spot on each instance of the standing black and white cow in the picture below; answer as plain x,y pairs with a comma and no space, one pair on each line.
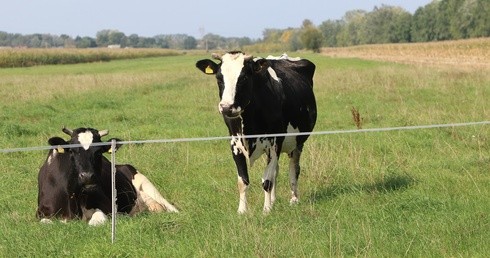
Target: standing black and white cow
75,182
264,96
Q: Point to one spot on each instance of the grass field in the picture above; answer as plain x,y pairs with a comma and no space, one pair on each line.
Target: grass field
419,193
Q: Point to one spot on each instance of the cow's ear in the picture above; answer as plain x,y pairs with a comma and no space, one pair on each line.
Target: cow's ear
207,66
108,148
261,65
57,141
53,141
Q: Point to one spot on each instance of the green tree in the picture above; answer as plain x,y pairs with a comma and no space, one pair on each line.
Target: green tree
330,30
85,42
424,23
102,38
351,33
272,35
117,38
189,42
481,14
311,37
386,24
132,40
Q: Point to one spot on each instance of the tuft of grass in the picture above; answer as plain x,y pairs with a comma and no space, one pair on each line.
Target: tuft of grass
356,117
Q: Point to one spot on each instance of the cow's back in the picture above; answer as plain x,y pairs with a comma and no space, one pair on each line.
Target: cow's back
302,68
297,84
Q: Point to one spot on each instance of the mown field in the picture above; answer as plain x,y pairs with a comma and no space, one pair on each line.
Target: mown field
417,193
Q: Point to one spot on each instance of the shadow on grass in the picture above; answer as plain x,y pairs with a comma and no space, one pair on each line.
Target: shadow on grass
385,185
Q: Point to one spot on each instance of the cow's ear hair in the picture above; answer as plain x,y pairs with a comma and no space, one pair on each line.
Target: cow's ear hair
108,148
57,141
207,66
261,65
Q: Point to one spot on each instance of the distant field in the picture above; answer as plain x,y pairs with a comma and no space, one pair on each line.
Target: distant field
18,57
418,193
473,53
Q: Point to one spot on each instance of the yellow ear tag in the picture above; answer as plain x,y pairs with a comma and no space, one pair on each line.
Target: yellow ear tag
209,70
110,150
60,150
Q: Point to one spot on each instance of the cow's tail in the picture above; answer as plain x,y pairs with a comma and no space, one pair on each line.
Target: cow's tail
150,196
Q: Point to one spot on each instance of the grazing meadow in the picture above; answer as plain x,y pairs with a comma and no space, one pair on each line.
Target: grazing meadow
417,193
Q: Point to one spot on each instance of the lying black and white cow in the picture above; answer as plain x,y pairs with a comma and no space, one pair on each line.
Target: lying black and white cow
75,182
264,96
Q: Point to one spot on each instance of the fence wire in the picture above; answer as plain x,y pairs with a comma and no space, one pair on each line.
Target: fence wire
218,138
176,140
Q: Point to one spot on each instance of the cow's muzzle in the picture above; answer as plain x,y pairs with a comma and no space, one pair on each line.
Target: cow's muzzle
87,179
229,110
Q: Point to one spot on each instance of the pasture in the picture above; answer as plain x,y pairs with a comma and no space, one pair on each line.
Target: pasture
400,193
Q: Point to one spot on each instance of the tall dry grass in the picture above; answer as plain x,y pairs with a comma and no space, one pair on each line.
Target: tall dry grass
18,57
471,53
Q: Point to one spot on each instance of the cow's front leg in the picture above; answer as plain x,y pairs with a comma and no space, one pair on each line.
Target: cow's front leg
94,216
294,171
269,179
243,181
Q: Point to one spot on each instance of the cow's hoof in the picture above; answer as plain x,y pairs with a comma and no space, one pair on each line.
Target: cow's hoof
171,208
98,218
267,210
294,200
155,207
46,221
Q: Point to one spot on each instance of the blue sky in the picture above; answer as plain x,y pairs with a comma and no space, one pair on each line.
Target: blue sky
153,17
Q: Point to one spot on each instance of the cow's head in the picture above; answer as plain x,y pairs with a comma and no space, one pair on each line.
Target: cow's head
235,74
86,159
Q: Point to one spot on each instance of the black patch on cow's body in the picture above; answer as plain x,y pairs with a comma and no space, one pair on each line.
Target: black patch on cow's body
267,185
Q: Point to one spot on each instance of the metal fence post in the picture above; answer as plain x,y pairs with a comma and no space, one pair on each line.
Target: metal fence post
113,184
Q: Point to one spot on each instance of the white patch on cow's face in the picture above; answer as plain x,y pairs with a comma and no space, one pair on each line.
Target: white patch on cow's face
231,67
85,139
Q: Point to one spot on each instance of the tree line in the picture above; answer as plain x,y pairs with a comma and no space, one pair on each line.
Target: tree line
438,20
105,38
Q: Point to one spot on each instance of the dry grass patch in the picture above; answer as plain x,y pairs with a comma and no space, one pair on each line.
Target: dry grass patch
472,53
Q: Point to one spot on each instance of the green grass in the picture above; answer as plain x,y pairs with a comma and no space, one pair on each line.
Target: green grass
403,193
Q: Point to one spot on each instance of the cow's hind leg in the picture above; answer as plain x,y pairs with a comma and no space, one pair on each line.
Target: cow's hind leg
150,195
269,180
294,170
